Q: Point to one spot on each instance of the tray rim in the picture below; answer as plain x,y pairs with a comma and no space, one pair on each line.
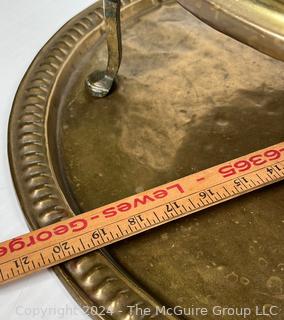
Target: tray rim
36,183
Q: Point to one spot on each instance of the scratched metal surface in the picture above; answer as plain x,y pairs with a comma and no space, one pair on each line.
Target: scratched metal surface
187,98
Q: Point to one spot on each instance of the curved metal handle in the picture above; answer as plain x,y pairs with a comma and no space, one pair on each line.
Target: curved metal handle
99,83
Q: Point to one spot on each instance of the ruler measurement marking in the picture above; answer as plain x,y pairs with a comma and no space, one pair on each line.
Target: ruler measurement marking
1,274
121,220
208,202
173,206
134,233
21,264
252,181
227,191
276,172
202,202
156,217
63,251
137,220
260,178
93,242
159,206
82,243
259,182
120,230
237,190
217,197
220,197
112,235
199,205
102,235
209,195
165,212
245,184
42,258
189,199
100,241
74,248
232,190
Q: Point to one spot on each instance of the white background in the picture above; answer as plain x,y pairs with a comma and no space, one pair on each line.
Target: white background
25,26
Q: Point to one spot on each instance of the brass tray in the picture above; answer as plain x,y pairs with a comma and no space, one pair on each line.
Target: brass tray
187,97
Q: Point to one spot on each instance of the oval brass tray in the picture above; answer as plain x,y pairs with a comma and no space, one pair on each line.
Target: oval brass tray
187,97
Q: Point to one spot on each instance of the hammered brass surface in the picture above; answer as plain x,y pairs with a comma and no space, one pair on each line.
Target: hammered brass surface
95,280
187,98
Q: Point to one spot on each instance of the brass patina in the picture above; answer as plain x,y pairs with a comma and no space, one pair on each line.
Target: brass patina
187,97
258,23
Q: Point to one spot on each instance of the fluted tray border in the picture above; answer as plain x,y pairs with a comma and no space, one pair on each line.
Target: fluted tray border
93,279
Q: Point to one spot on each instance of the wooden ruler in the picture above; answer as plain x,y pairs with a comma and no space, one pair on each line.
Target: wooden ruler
73,237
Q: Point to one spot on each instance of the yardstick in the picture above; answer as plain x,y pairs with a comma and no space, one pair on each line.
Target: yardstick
97,228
